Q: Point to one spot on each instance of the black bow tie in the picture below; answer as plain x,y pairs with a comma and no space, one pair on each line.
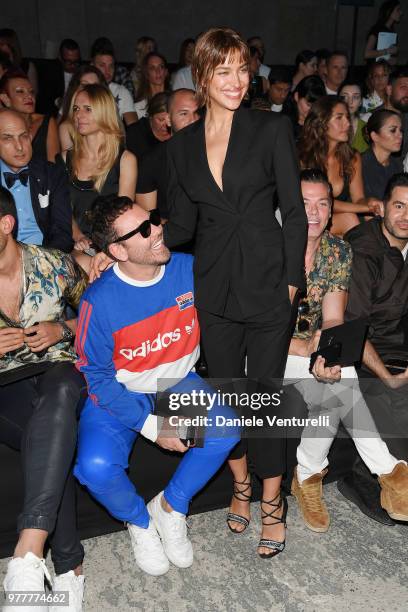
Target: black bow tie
11,178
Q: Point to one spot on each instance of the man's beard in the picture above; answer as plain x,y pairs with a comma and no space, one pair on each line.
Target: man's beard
394,231
401,105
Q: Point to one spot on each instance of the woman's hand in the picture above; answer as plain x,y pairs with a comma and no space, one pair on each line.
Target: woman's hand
375,206
99,263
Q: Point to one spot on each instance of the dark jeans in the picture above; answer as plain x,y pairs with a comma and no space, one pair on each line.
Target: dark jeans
38,416
264,341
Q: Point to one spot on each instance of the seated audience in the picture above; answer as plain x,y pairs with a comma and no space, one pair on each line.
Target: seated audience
57,76
384,134
350,92
150,131
151,188
39,187
298,105
17,93
379,293
154,79
398,100
256,41
377,83
182,79
279,88
40,395
336,72
389,15
104,60
322,55
144,45
121,75
10,44
85,75
136,299
328,268
305,65
97,162
324,144
258,86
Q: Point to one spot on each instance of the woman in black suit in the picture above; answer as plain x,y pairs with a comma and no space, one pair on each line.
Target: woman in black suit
224,172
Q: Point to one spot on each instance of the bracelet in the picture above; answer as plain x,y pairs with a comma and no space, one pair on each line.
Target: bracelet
67,334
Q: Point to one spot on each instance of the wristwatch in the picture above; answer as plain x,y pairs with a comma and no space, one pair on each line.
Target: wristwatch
67,334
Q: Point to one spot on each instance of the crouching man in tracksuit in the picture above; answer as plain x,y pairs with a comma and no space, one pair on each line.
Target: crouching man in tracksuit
138,324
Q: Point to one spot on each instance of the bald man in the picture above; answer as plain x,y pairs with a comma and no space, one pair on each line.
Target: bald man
151,183
40,188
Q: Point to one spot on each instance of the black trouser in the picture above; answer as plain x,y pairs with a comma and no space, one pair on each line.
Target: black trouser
264,341
38,416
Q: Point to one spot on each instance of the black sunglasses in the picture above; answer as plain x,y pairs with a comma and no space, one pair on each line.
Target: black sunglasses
144,228
303,309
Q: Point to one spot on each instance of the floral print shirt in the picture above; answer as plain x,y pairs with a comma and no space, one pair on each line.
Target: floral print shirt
331,272
51,280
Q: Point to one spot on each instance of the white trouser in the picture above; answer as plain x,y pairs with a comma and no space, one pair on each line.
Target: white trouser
340,401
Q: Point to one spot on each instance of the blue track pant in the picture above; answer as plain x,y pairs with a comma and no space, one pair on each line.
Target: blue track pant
105,444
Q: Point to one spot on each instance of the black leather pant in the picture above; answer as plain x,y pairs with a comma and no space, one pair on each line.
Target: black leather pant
38,416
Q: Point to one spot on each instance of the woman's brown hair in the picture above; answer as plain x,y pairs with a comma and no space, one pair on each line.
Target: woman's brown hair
314,142
213,47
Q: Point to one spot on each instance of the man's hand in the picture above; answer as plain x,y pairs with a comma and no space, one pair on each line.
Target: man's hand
41,336
99,263
11,338
323,374
292,292
313,342
168,438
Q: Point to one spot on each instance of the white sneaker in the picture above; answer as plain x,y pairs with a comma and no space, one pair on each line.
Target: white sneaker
75,587
148,549
172,528
26,574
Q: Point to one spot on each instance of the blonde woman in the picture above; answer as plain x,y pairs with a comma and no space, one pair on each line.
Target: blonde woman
97,163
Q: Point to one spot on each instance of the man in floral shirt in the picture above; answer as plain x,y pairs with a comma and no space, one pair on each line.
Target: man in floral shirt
328,268
40,391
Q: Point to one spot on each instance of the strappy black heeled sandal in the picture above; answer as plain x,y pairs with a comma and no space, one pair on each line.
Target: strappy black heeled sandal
276,547
240,495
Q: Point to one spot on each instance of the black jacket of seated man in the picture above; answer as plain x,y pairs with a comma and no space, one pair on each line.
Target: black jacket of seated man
50,200
379,292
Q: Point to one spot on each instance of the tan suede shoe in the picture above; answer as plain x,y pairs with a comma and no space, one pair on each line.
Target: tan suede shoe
309,496
394,492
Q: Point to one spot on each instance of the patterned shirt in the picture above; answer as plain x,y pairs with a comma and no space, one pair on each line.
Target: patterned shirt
331,272
51,280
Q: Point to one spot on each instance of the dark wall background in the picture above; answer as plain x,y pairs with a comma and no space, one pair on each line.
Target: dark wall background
287,26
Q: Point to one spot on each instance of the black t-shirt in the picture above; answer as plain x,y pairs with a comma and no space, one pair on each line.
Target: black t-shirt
152,176
140,138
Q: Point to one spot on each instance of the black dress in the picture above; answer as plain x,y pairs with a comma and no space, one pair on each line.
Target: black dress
376,176
39,142
83,193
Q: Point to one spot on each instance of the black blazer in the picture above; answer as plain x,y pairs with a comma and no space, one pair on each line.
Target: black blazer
239,243
53,213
